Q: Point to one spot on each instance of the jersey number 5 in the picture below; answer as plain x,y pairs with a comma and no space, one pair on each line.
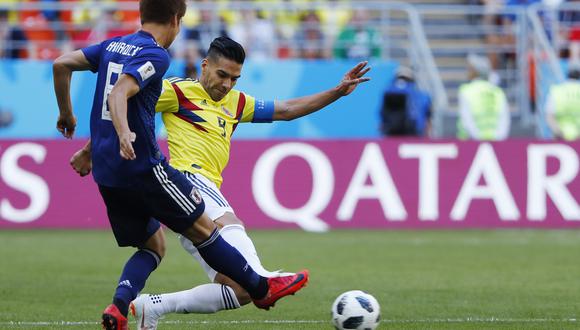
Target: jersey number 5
116,69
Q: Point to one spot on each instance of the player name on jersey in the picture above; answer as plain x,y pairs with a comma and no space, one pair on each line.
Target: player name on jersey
123,48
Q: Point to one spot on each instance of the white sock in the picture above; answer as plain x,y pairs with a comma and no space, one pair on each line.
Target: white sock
237,237
203,299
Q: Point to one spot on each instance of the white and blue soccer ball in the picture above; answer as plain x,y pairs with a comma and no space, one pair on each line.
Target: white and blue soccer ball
356,310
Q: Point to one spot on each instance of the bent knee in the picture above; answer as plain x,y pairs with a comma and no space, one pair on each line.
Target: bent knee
156,243
229,219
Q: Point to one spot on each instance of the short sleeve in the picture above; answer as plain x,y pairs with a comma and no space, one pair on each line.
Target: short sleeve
93,55
168,100
246,106
148,65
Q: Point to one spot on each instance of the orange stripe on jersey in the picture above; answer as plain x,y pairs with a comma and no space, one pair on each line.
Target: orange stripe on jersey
240,110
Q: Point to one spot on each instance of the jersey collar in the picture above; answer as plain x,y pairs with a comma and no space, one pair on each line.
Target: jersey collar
149,35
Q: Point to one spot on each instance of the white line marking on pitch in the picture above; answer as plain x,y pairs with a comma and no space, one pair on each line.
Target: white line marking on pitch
192,322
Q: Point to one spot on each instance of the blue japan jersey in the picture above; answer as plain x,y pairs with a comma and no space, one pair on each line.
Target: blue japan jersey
139,56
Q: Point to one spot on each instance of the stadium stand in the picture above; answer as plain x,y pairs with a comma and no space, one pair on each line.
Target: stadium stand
434,37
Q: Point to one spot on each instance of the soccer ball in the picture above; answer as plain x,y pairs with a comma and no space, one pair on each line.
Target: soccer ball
356,310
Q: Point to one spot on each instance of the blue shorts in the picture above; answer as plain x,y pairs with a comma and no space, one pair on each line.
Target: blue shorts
164,194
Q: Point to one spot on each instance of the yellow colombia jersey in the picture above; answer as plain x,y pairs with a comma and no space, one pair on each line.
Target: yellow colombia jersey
199,130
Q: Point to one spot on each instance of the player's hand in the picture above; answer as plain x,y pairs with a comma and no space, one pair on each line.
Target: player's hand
126,143
354,77
81,162
66,125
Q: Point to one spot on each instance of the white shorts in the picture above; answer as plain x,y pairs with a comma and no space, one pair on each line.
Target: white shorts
215,203
215,206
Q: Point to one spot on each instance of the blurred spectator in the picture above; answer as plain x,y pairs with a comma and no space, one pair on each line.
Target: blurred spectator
286,17
51,15
12,39
483,108
503,39
358,40
191,70
563,106
79,20
571,19
42,38
334,16
201,35
228,14
574,43
130,17
406,110
491,11
110,25
83,12
492,22
198,38
12,14
310,40
256,34
6,118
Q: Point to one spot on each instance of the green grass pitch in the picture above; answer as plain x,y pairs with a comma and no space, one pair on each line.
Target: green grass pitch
511,279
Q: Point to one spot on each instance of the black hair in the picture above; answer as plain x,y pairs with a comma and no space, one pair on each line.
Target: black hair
161,11
228,48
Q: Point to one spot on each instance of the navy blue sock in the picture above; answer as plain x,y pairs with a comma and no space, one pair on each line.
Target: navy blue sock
225,259
132,281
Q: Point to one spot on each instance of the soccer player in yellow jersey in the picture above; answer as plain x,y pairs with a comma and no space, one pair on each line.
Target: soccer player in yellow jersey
200,118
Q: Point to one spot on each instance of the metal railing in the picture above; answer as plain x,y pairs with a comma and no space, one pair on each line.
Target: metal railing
454,31
422,58
544,22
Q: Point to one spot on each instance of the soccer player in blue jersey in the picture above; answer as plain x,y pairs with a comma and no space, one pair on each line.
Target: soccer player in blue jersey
135,181
200,117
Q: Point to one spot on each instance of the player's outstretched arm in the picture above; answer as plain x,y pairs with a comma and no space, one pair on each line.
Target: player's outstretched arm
302,106
125,88
62,69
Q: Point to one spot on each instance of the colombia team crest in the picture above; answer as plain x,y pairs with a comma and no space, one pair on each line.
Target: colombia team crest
226,111
196,196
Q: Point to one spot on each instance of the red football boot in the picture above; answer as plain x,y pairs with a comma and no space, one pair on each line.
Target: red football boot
113,319
279,287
